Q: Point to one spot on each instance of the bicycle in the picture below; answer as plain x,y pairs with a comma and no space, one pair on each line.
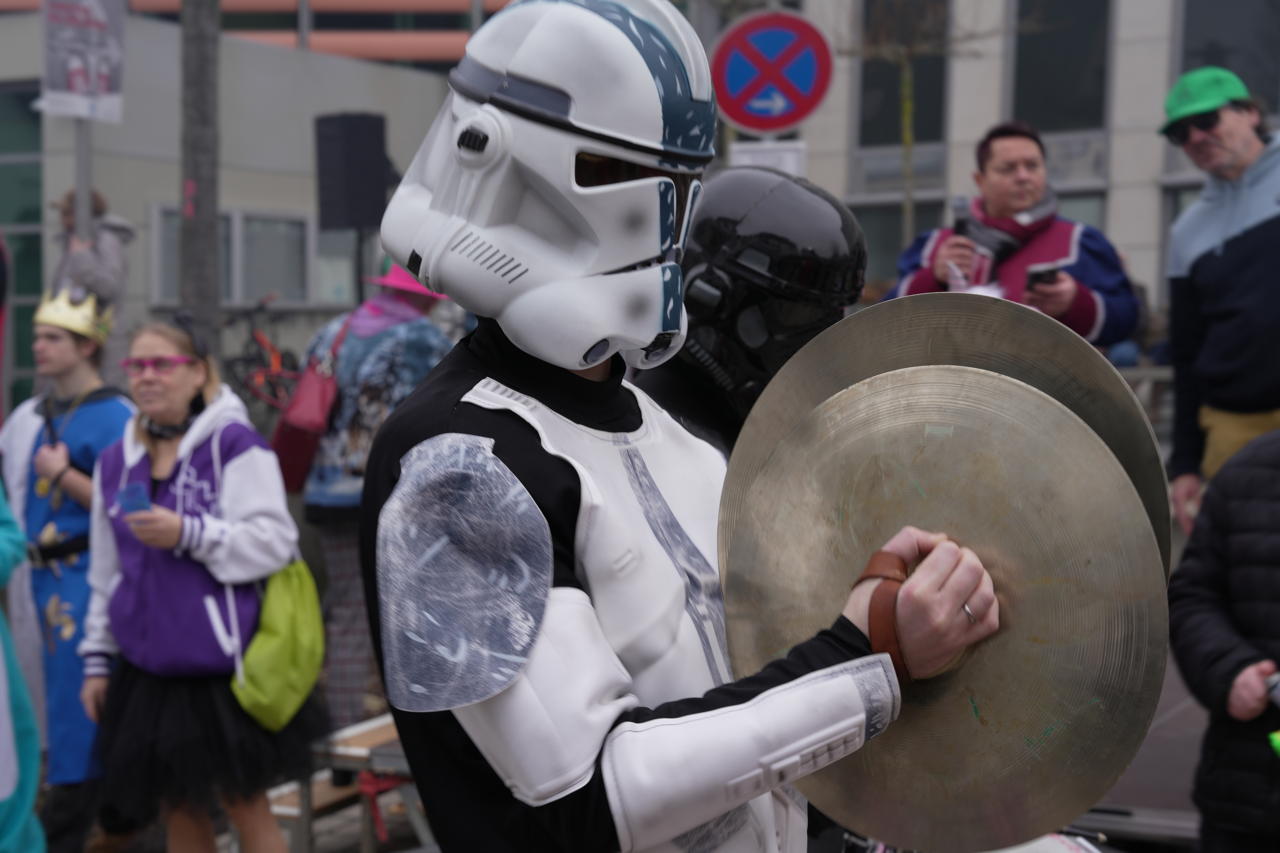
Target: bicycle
262,370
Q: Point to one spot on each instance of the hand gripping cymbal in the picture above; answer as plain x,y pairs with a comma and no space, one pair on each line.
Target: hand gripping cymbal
970,331
1029,728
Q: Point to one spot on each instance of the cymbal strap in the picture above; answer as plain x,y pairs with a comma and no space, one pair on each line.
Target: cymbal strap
884,626
882,618
887,565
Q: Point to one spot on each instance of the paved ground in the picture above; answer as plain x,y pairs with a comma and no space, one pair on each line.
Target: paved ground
341,832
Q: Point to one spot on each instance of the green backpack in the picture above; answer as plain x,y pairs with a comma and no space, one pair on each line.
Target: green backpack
280,667
283,659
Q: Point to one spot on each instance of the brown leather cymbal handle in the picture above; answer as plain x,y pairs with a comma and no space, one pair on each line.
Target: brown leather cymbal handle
882,616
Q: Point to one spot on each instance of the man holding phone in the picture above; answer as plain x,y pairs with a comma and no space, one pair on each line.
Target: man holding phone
50,445
1011,240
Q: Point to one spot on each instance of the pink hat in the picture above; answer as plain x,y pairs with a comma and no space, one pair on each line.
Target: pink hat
399,278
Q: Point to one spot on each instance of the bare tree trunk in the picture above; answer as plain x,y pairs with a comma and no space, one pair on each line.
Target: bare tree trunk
199,285
907,102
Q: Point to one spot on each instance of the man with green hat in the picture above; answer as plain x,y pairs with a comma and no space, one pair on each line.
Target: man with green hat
1224,257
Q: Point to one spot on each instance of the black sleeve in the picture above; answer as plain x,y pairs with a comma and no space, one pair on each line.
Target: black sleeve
1207,646
1186,336
840,643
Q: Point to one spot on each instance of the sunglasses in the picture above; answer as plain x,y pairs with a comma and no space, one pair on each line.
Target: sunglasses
162,365
1180,131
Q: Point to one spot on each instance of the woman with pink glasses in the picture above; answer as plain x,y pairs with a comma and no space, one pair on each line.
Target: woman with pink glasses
188,521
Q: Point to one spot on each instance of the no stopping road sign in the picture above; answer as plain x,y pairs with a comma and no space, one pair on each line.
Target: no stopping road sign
770,71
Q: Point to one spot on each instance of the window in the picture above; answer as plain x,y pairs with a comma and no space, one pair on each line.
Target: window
335,267
888,24
1089,208
170,276
23,374
22,222
19,124
882,225
25,253
1240,36
259,254
20,193
275,259
1061,67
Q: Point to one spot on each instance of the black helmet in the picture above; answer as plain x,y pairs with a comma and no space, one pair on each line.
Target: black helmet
771,260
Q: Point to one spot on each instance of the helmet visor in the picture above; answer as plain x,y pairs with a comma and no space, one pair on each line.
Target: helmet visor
595,170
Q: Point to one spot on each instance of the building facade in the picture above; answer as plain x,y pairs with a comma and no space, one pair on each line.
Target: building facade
1091,75
271,243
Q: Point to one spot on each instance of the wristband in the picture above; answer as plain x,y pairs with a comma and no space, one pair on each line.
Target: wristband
53,484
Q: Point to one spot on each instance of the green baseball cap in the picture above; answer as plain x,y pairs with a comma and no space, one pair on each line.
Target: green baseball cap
1200,91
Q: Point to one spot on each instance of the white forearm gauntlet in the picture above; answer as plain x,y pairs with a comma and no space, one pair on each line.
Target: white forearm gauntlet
667,776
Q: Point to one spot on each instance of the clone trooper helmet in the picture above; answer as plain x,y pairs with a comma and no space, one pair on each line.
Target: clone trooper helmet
771,261
553,190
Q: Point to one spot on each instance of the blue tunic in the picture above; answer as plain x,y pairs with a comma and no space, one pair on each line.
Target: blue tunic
62,589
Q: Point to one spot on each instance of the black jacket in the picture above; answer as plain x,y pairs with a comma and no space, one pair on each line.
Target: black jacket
1223,310
1224,614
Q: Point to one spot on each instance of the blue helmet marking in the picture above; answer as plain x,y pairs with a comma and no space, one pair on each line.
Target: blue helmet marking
666,215
688,125
672,297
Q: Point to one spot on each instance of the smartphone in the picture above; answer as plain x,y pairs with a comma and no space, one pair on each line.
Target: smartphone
960,216
133,498
1041,275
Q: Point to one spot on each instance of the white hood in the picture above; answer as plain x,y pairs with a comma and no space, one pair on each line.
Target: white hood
225,408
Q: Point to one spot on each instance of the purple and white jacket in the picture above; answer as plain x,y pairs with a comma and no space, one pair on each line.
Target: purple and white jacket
190,610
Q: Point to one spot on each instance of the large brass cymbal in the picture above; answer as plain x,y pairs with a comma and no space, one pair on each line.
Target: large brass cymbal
971,331
1033,725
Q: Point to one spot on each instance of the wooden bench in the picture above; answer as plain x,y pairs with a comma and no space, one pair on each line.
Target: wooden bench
348,749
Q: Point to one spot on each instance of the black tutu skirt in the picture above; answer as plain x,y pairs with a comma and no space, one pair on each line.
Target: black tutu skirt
169,742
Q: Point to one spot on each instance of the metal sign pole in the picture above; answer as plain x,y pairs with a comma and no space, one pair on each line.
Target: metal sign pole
84,179
304,24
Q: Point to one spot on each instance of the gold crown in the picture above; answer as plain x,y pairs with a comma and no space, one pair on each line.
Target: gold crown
81,317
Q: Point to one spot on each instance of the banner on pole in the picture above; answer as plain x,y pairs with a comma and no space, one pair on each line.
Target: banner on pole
83,59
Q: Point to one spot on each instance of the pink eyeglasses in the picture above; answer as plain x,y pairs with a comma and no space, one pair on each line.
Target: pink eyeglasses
161,364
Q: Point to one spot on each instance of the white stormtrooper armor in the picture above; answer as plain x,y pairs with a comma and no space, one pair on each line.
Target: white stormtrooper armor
521,665
554,188
547,603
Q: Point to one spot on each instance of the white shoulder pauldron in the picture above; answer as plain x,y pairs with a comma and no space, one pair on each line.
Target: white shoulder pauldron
464,566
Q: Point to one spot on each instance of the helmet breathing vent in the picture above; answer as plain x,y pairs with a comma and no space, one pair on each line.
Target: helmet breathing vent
488,257
473,139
